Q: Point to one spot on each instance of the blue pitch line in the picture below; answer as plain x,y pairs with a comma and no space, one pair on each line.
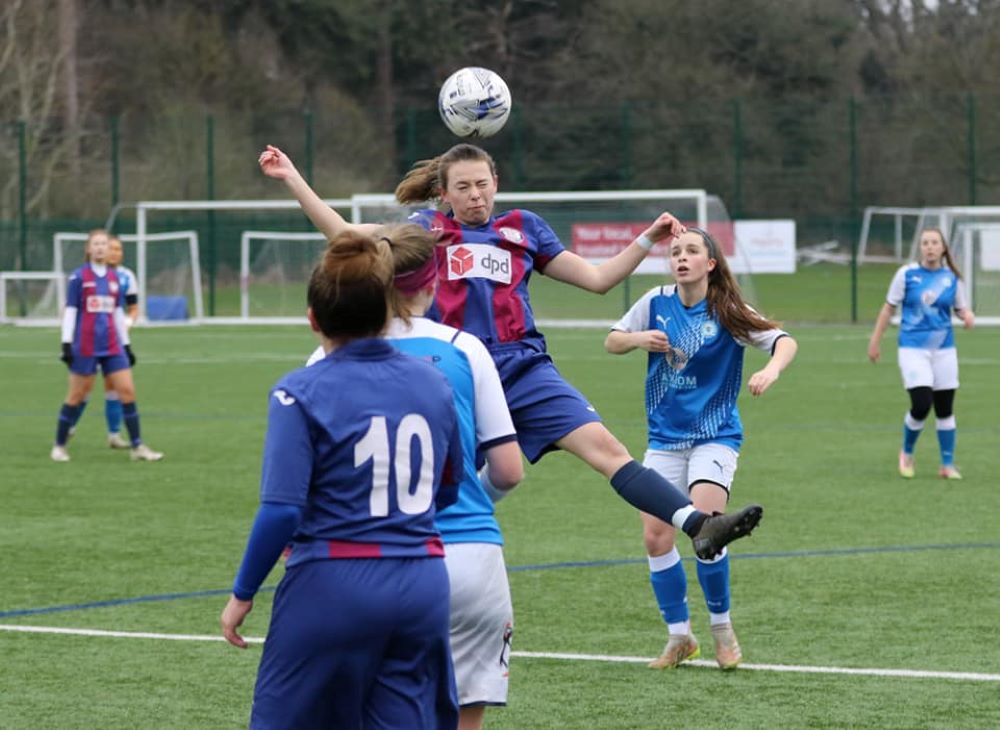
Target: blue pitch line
832,552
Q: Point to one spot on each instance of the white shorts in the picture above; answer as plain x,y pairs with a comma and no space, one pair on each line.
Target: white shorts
935,369
482,622
714,463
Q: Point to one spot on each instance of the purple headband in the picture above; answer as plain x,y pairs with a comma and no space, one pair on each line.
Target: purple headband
412,282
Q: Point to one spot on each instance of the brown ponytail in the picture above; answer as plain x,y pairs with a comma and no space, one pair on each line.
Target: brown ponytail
725,301
349,288
412,249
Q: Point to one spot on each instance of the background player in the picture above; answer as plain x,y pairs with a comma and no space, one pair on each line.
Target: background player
94,334
695,332
359,449
112,403
928,291
490,300
481,613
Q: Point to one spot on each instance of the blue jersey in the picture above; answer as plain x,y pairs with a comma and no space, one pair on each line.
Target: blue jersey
483,418
95,297
691,390
364,441
483,273
928,297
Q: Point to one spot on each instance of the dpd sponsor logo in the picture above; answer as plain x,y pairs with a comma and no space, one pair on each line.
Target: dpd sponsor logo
479,261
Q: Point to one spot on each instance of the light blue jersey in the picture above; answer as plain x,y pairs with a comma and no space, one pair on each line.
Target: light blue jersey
928,297
691,390
483,418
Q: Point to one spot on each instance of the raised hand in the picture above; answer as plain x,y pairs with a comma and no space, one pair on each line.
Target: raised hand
275,163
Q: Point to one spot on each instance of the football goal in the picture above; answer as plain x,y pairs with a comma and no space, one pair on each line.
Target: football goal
32,297
167,267
972,232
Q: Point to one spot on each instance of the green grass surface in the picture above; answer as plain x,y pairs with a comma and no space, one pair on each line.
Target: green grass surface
852,567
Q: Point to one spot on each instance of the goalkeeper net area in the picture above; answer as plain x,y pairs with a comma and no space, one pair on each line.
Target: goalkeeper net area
972,233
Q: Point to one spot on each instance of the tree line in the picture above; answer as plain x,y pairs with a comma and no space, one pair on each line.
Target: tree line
783,107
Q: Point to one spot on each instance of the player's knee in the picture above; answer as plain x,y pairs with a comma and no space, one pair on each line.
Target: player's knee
658,539
921,400
944,404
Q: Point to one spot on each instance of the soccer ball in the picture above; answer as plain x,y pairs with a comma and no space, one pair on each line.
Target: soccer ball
474,102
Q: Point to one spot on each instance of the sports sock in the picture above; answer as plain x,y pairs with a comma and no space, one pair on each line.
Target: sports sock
79,413
113,411
911,432
666,575
713,575
131,414
68,415
646,490
946,440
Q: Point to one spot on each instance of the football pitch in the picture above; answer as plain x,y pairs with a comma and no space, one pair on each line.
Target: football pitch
863,600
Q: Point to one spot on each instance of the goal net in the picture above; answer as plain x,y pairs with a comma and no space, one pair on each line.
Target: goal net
167,268
32,297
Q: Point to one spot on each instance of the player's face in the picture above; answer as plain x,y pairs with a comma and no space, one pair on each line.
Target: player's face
470,191
689,261
931,249
97,248
114,252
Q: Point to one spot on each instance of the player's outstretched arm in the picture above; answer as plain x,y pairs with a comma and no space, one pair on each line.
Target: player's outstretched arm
275,163
600,278
881,322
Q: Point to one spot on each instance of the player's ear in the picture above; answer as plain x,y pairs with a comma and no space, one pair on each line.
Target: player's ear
312,320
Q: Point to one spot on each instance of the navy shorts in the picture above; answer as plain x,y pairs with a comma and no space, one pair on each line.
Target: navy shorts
358,644
82,365
542,404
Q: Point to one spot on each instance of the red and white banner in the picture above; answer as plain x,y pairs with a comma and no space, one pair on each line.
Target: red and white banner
769,246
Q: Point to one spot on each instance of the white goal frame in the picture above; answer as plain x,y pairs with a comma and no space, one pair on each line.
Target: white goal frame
245,239
57,277
141,243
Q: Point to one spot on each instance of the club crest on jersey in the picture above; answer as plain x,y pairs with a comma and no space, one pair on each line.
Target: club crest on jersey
479,261
709,329
283,397
113,287
511,234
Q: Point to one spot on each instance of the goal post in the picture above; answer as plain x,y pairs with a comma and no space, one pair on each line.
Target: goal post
32,297
274,276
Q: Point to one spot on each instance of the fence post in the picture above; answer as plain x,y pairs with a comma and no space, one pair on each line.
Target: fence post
626,141
518,148
970,115
737,159
115,160
22,196
853,193
210,195
307,118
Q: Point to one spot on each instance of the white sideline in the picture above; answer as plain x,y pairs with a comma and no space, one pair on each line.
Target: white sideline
800,669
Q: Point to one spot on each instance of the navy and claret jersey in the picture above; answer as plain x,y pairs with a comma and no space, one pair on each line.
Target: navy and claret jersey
95,297
367,442
483,273
691,390
928,297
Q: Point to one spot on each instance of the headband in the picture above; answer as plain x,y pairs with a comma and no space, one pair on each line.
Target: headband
421,277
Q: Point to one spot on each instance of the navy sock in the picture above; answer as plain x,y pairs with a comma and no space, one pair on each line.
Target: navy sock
646,490
131,413
68,415
79,413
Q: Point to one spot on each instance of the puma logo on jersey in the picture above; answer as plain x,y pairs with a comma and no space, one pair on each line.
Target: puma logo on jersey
283,398
662,320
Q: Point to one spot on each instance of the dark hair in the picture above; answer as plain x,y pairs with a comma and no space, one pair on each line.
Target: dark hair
947,250
427,178
349,288
725,300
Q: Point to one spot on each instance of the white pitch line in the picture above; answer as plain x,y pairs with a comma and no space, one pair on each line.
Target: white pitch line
794,668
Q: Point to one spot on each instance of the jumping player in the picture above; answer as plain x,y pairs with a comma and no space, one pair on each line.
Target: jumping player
490,300
695,332
360,448
94,334
928,291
